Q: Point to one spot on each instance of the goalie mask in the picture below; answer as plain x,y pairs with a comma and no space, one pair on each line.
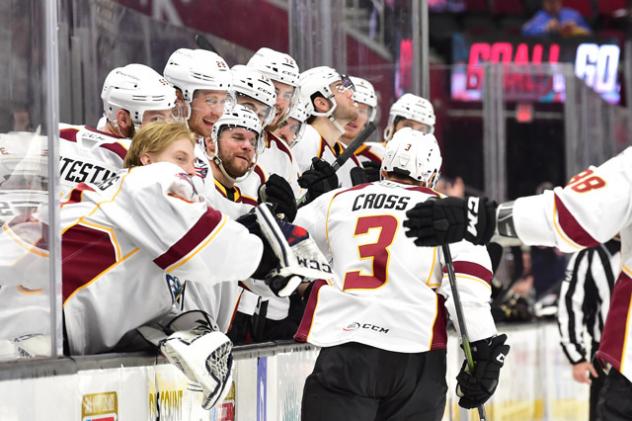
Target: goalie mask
238,117
413,154
411,107
255,91
137,89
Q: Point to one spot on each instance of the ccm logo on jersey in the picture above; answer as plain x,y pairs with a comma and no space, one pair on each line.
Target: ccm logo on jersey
472,215
368,326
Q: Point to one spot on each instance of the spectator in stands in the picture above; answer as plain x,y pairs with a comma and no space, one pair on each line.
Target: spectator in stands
554,19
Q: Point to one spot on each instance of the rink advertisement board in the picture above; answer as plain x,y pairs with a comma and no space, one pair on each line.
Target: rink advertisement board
596,61
536,384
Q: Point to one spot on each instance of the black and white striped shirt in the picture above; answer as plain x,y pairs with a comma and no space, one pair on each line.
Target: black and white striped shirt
585,298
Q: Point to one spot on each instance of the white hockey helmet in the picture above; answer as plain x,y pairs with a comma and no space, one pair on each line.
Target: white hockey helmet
275,65
136,88
365,94
190,70
318,80
413,154
238,116
411,107
253,84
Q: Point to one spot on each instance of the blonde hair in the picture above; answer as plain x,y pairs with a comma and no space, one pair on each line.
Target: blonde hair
154,138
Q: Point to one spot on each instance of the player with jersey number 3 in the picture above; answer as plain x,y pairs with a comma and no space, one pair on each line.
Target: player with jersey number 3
382,323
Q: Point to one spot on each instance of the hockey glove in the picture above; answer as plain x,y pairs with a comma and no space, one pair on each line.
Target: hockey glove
319,179
278,192
476,388
269,260
371,171
449,220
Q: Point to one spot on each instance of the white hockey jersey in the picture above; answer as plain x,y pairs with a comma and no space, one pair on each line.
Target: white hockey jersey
594,207
129,245
389,293
313,145
87,155
277,158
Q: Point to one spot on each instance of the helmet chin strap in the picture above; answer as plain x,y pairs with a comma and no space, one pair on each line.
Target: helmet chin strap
220,164
336,124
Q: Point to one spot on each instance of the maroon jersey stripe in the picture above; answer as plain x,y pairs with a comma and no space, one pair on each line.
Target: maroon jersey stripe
571,227
280,144
116,148
85,252
472,269
613,336
69,134
439,330
248,200
308,315
198,232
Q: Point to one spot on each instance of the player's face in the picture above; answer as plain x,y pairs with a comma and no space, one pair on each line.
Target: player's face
415,125
179,152
261,109
284,94
237,150
354,127
288,130
346,109
159,115
207,106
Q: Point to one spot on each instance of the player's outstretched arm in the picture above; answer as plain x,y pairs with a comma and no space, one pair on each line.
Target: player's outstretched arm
449,220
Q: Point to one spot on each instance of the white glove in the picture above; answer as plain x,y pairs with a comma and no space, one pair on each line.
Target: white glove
205,359
183,187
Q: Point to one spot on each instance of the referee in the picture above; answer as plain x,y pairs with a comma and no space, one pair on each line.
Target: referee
583,307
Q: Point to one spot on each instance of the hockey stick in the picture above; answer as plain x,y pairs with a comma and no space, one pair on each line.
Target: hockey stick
465,340
203,43
348,153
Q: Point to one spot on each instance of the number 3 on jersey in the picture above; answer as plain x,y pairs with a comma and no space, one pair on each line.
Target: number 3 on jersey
377,252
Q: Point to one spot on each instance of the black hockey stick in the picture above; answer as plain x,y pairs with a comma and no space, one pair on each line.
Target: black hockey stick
348,153
465,340
203,43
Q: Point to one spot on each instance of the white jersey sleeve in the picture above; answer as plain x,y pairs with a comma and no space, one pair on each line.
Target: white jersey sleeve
591,209
472,268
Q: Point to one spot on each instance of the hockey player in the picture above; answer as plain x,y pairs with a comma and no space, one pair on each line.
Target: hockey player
281,69
592,208
132,96
366,100
291,129
203,80
383,330
410,111
129,244
237,138
329,97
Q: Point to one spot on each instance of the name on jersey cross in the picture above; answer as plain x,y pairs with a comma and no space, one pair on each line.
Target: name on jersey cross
77,171
380,201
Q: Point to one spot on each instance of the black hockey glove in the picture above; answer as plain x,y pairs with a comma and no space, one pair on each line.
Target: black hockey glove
278,192
476,388
449,220
358,176
319,179
371,171
269,260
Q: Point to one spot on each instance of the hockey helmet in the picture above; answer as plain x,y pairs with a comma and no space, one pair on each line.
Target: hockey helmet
136,88
411,107
413,154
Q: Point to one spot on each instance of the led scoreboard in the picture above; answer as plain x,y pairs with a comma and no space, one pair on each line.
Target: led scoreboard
596,62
